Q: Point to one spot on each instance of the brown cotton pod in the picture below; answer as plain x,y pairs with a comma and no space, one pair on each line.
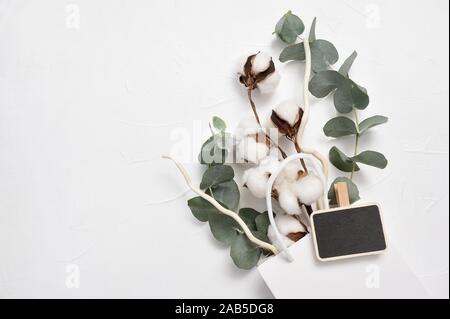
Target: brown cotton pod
284,127
296,236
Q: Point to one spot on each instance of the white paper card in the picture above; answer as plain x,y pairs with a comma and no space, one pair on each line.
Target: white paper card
377,276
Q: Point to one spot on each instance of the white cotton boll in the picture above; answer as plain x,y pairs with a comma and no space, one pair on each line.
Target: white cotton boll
256,182
273,239
275,153
288,111
269,84
261,62
240,62
288,201
290,171
288,224
269,164
248,149
308,189
247,126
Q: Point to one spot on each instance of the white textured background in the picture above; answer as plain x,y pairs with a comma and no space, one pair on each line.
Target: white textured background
86,111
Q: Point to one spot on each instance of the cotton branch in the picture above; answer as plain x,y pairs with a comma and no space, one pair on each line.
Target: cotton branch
255,113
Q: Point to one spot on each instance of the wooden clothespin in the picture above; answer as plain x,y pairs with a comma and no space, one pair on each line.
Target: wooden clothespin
342,197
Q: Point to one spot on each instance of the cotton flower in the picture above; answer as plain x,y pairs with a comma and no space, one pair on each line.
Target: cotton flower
259,71
292,171
286,117
250,150
260,62
288,200
247,126
308,189
294,187
290,230
256,179
270,83
270,163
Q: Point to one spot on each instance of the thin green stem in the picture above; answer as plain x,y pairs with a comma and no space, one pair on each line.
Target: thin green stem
355,152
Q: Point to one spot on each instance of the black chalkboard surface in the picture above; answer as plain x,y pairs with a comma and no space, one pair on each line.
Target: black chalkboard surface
348,232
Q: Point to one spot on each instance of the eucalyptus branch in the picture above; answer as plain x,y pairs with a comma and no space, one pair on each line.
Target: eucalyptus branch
223,210
357,135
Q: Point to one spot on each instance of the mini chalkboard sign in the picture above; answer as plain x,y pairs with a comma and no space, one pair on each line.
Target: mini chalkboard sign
347,231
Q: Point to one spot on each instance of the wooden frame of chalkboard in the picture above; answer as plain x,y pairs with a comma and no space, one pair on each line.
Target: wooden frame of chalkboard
342,210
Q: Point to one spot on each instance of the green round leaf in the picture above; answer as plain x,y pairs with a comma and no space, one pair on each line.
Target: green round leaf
371,158
244,253
262,224
215,175
226,193
249,215
353,192
345,68
372,122
201,208
289,28
223,228
211,152
348,96
295,52
219,124
325,82
340,126
323,54
342,161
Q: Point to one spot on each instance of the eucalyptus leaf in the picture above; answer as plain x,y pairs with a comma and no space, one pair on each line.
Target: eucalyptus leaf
342,161
219,124
212,153
312,31
295,52
346,66
323,54
262,224
226,193
223,227
349,95
325,82
372,158
249,216
372,122
244,253
201,208
353,192
215,175
340,126
289,28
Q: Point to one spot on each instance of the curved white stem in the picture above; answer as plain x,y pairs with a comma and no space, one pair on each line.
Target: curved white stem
273,177
223,210
306,110
306,78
